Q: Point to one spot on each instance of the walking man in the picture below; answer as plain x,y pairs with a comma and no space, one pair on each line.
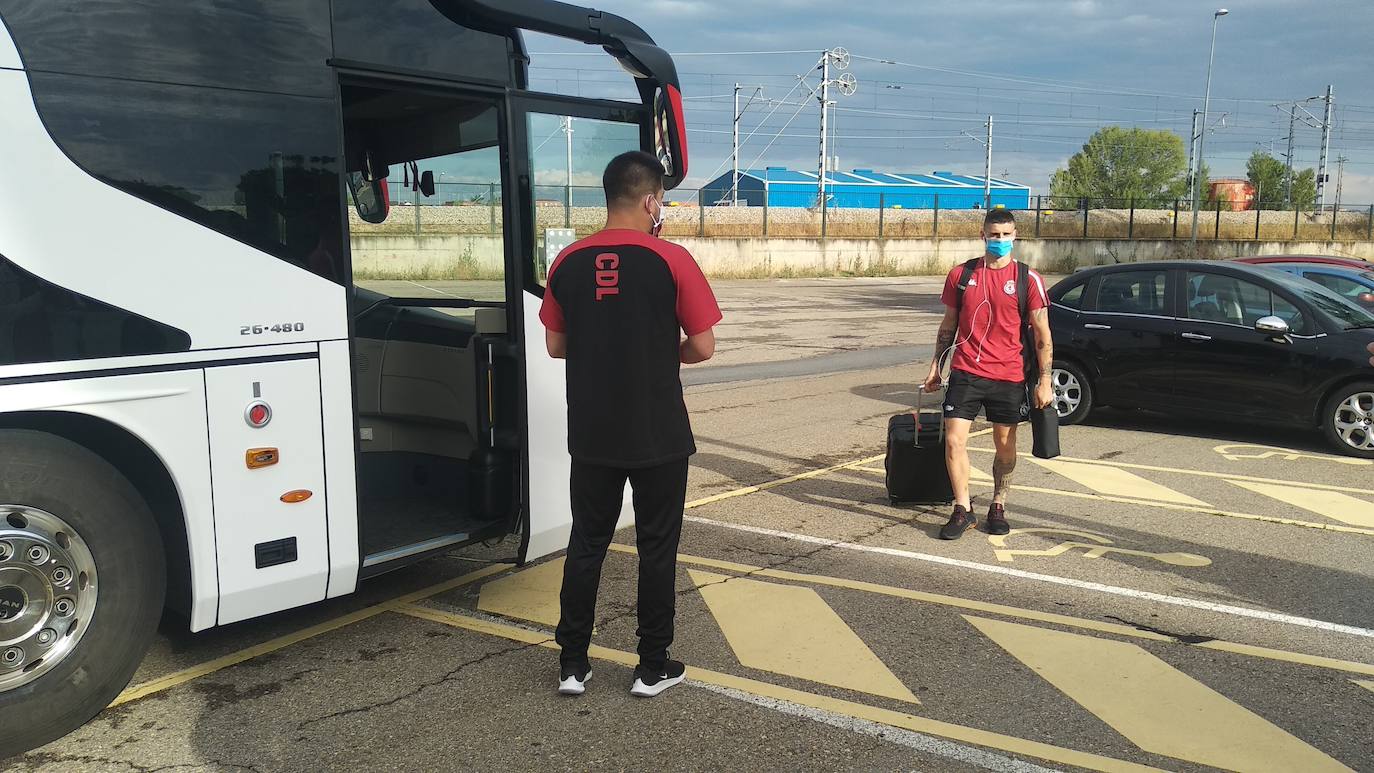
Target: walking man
983,328
618,307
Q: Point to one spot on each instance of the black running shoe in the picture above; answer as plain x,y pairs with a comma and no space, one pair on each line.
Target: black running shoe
959,523
572,679
997,520
649,682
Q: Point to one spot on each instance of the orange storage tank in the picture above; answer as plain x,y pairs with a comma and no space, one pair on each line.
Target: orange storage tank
1235,194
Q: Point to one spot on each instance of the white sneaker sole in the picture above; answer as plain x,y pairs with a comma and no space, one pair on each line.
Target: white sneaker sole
573,686
641,690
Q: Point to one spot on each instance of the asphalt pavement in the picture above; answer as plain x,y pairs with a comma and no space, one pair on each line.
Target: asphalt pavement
1174,595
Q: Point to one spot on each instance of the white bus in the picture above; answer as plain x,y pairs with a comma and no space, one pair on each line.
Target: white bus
199,408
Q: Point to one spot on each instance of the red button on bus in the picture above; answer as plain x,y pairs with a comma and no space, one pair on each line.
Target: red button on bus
258,415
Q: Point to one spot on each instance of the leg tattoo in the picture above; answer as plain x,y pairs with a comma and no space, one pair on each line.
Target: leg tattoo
1002,474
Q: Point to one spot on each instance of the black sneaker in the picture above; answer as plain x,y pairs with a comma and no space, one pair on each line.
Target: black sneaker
572,678
649,683
997,520
959,523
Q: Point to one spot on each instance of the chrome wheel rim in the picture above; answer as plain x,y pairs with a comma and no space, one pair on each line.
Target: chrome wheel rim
1068,393
47,593
1354,421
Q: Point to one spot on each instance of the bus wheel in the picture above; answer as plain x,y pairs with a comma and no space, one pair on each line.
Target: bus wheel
82,581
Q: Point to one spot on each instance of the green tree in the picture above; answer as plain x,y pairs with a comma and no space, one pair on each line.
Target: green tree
1268,175
1270,178
1204,190
1305,189
1144,165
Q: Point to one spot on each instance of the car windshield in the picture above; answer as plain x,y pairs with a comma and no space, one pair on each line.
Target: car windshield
1344,312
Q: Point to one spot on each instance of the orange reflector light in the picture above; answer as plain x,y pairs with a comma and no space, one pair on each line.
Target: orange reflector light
257,458
299,495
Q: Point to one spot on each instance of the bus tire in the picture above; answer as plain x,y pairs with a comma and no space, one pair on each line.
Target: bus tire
60,497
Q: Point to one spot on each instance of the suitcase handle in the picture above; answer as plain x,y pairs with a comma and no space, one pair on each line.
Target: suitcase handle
916,433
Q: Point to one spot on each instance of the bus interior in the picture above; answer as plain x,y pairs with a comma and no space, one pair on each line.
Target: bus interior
433,366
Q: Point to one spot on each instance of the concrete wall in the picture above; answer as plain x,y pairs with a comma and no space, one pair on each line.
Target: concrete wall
458,256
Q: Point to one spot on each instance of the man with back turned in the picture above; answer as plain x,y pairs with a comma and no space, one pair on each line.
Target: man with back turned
627,309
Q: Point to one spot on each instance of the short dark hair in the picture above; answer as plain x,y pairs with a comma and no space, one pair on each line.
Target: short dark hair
999,217
631,176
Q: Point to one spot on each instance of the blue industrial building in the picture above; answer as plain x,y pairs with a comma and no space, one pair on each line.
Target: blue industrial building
865,189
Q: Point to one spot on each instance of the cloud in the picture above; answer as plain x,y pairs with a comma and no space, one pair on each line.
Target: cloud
1267,51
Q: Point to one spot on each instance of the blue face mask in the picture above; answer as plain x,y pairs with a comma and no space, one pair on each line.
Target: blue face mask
1000,247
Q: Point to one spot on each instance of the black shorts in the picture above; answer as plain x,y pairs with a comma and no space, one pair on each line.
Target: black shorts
1004,401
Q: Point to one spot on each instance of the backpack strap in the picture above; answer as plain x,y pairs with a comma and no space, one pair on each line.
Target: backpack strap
965,277
1023,292
1030,363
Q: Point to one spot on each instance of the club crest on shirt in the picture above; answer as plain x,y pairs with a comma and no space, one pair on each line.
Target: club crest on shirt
1010,287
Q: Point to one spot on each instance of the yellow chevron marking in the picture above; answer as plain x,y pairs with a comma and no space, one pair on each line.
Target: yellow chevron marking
1115,481
790,630
531,594
1157,707
1331,504
917,724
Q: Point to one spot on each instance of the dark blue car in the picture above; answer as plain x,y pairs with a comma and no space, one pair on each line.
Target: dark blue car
1353,284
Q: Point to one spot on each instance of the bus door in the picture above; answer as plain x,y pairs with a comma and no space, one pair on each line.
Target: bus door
562,147
436,379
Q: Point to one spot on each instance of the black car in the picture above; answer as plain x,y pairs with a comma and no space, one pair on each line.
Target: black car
1219,339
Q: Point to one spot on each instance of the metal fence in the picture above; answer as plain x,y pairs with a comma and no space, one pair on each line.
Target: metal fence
466,208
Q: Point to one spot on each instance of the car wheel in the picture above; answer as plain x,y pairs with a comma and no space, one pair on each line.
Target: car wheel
1073,394
1348,420
82,582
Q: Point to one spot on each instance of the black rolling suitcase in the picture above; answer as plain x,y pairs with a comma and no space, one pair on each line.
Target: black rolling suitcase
916,469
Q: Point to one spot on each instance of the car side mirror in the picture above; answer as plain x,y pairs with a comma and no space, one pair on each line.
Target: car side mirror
1367,299
1273,326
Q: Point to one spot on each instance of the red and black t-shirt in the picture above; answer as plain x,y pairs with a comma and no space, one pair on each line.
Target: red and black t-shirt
624,298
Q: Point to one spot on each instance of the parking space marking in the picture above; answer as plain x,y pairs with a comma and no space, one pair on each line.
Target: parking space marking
1154,705
1368,685
745,491
898,719
177,678
1097,547
1331,504
1195,473
1172,506
790,630
530,594
988,760
1114,481
1209,606
1237,451
1055,618
779,482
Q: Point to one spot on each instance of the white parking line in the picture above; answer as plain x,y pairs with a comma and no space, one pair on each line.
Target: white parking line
912,740
1209,606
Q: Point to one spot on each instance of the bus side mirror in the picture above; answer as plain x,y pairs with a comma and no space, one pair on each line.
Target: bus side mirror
370,198
670,135
427,184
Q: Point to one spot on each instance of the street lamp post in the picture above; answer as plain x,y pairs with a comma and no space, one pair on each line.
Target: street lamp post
1202,135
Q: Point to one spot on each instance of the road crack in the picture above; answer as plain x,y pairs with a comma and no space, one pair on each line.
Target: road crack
447,677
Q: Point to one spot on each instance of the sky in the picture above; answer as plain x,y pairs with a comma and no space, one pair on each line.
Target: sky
1050,72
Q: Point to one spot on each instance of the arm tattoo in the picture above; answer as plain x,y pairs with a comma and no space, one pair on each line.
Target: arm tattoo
1002,473
944,339
1044,344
